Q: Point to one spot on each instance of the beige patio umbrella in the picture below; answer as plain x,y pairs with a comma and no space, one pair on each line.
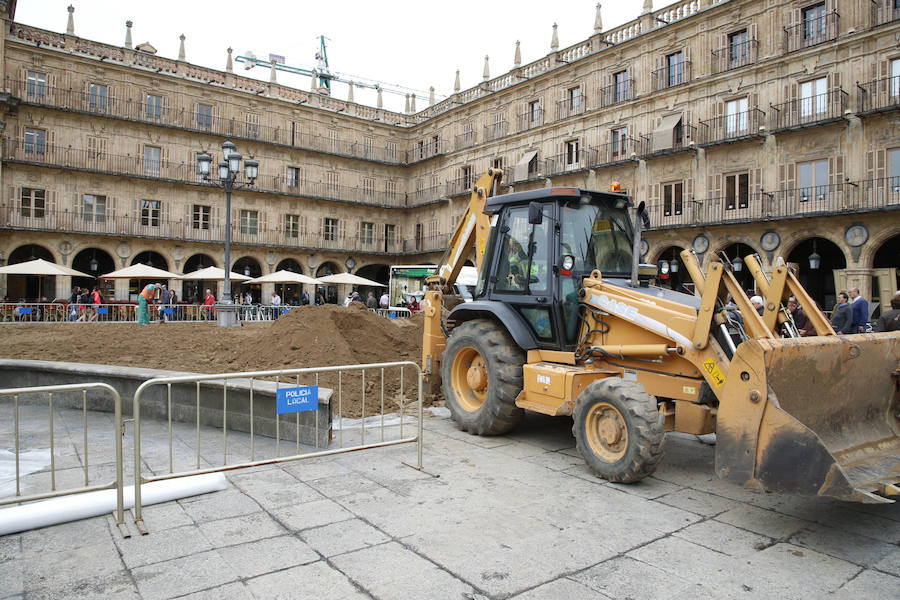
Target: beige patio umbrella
285,277
141,271
212,274
39,266
348,279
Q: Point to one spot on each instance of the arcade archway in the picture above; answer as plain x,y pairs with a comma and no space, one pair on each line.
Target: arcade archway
816,259
96,262
30,287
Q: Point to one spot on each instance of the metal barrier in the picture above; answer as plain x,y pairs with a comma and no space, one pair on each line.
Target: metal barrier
394,312
50,390
279,377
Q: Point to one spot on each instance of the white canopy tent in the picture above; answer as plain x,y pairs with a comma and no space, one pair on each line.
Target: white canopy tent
348,279
141,271
39,266
285,277
212,274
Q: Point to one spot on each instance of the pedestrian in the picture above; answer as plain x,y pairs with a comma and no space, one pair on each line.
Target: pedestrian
84,302
320,299
208,303
164,298
173,301
757,303
371,302
276,304
842,317
304,299
385,301
144,299
890,319
96,301
859,306
73,303
801,321
249,298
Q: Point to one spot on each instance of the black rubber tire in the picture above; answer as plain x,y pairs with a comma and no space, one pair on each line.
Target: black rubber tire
498,413
644,424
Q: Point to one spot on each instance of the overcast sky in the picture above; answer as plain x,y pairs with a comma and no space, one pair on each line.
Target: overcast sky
401,43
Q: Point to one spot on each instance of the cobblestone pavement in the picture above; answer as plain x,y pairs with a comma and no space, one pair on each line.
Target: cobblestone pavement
517,516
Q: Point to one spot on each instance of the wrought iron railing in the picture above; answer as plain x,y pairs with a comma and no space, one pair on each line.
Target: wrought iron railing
531,119
812,110
879,95
671,75
621,150
568,162
884,11
495,131
426,149
680,141
465,140
460,185
731,127
617,92
570,107
733,56
812,31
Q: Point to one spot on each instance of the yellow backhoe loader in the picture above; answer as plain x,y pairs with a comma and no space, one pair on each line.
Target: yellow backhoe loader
565,322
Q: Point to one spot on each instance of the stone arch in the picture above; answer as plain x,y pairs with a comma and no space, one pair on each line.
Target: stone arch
677,275
290,264
198,261
95,261
796,238
152,258
30,287
249,267
328,292
735,252
874,245
30,252
819,283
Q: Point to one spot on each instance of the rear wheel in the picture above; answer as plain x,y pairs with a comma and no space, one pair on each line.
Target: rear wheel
618,430
481,372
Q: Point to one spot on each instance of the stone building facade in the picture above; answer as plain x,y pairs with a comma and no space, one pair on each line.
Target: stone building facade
747,126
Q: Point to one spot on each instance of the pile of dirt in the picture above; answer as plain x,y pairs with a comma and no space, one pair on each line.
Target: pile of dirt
309,336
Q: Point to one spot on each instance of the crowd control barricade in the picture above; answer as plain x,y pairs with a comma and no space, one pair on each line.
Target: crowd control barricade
86,454
395,312
244,403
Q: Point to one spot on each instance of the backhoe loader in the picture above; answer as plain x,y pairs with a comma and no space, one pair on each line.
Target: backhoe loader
566,322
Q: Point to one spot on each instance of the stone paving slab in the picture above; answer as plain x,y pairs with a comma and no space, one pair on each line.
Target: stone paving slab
516,516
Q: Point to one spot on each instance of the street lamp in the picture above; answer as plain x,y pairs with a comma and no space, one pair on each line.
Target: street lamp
815,260
227,179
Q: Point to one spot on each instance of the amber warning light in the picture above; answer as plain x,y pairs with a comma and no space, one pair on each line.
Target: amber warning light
615,186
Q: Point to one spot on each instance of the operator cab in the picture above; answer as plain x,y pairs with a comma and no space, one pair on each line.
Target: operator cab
542,244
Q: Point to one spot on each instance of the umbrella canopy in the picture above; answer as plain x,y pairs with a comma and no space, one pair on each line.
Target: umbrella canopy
212,274
284,277
39,266
350,279
141,271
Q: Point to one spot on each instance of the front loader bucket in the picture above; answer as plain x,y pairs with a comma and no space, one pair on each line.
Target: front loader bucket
813,416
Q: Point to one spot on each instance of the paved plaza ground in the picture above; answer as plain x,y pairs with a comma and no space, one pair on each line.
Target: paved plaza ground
516,516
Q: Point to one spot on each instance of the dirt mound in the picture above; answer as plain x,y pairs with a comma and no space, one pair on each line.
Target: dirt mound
309,336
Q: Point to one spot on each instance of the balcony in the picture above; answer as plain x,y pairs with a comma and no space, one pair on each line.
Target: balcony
659,143
624,150
570,107
425,196
15,150
137,110
670,76
567,162
865,196
465,140
881,95
811,32
617,92
733,56
730,128
531,119
808,112
425,150
459,186
495,131
884,11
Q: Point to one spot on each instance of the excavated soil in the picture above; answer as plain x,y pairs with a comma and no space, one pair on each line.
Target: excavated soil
309,336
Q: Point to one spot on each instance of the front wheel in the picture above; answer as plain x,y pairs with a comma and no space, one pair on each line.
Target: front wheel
619,430
481,373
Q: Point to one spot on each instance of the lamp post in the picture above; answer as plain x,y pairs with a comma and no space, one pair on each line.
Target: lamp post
227,179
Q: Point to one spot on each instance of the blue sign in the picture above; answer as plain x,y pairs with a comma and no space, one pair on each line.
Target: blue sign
24,310
169,311
103,310
297,399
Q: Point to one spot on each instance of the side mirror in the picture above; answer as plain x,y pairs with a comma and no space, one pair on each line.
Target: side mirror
535,213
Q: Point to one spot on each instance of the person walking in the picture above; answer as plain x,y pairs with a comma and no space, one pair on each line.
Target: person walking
96,301
842,317
73,303
371,302
385,301
144,299
859,306
890,319
208,303
164,299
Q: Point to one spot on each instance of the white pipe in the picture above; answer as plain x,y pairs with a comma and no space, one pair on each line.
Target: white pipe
92,504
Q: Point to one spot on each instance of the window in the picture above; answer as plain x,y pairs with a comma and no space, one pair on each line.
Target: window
330,229
518,269
497,163
204,116
151,160
469,133
367,233
812,180
150,213
813,97
292,177
814,21
620,88
249,222
390,188
334,142
420,147
200,216
96,148
533,166
674,69
574,97
33,203
737,192
35,85
618,146
466,177
497,127
895,77
433,229
738,48
391,150
331,181
292,226
98,93
368,187
672,198
573,155
153,108
94,208
252,123
390,236
534,112
736,116
35,141
435,145
419,236
894,164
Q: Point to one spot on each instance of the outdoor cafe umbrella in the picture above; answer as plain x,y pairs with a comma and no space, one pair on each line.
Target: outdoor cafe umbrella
40,267
141,271
348,279
285,277
212,274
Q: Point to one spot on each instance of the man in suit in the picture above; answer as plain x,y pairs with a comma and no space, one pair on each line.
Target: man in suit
842,317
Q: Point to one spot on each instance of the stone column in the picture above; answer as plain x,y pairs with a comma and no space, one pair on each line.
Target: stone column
121,289
63,288
267,289
862,279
